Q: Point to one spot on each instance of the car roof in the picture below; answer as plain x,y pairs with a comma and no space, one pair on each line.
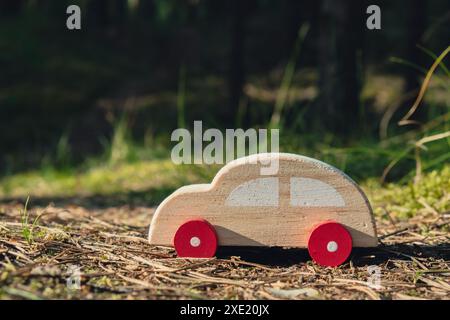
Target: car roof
262,157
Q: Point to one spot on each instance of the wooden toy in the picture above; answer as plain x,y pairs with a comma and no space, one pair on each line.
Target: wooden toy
306,204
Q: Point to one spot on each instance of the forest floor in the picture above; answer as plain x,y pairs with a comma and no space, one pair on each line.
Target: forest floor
106,249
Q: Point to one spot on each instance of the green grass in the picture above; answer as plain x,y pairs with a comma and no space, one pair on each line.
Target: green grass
432,192
97,180
288,75
149,182
28,229
129,172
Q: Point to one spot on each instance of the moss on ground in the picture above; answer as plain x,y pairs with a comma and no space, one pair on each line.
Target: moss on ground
431,192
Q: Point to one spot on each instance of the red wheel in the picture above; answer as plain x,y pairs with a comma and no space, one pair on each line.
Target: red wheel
330,244
195,239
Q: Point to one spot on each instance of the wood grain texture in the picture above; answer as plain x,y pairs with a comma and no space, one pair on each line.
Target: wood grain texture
280,220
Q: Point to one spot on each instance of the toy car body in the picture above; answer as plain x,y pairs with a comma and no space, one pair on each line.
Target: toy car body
306,204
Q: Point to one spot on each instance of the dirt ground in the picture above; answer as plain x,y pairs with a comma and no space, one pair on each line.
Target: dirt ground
106,250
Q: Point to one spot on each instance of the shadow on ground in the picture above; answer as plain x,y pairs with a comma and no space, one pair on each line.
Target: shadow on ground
359,257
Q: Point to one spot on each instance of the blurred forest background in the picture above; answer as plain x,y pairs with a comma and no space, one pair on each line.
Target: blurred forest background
89,113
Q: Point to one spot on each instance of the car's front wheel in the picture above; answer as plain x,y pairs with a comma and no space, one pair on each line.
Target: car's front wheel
330,244
195,239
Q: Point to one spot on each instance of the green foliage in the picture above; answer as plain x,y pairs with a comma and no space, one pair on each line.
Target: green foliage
120,148
143,182
63,152
430,193
28,230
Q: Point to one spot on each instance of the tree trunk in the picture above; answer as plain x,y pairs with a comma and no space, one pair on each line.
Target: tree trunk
236,76
339,85
98,12
120,10
415,27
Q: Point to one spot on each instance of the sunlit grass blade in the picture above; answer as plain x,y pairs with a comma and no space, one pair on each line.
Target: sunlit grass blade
424,87
287,77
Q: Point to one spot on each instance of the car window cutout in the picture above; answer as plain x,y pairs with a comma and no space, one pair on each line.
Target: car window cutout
307,192
261,192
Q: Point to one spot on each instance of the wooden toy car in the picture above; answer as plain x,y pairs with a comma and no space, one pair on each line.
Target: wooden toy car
307,204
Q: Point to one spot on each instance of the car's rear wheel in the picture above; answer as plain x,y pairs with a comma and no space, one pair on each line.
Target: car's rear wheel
196,239
330,244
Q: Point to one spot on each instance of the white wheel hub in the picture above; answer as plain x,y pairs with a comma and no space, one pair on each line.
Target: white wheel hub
332,246
195,241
